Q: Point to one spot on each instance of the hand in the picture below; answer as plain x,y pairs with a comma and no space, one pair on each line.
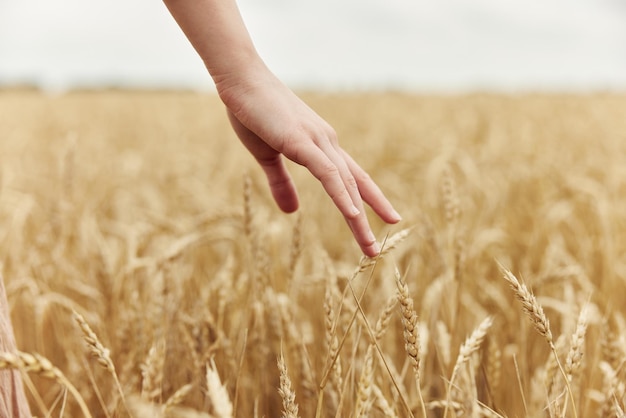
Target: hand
272,122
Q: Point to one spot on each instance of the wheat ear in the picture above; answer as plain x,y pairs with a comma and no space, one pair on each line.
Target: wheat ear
382,403
384,318
613,389
531,307
359,310
576,351
34,363
152,372
222,407
177,398
332,340
472,343
411,332
290,407
612,351
364,399
494,364
409,323
574,355
469,347
95,347
99,352
534,311
389,244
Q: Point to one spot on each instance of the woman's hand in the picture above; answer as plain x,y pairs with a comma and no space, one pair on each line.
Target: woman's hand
272,122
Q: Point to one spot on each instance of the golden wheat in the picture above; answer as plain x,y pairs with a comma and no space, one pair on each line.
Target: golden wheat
141,211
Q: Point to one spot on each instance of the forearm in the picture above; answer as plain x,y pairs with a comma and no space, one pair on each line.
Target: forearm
216,30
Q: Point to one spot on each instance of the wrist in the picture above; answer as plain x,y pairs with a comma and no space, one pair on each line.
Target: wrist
243,74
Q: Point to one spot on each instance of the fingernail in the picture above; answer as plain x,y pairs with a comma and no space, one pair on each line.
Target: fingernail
371,237
376,247
354,211
396,215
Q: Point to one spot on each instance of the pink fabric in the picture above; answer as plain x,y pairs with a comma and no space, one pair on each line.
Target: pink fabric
13,402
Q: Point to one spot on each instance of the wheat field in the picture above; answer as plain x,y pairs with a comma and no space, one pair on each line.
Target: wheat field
150,274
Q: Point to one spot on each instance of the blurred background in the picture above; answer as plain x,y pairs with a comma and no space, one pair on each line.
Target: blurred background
410,45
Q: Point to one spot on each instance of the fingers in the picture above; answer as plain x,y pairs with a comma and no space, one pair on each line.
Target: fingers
334,180
359,225
359,186
347,184
331,169
363,234
371,193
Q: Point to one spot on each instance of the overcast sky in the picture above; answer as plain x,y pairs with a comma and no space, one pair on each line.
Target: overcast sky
422,45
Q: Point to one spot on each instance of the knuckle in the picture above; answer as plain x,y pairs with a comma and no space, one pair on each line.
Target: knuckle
279,182
269,161
351,182
362,177
328,171
332,135
339,197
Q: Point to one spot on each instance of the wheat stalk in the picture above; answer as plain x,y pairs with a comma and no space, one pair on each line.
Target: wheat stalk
444,342
296,246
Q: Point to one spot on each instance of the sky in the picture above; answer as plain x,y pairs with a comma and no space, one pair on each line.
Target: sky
417,45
